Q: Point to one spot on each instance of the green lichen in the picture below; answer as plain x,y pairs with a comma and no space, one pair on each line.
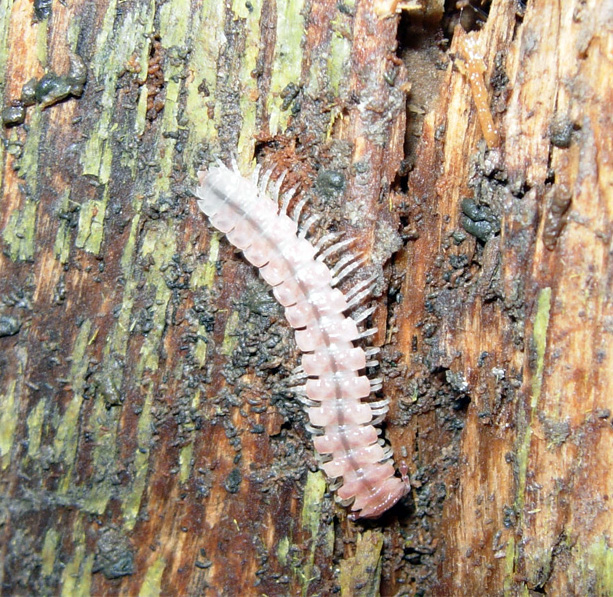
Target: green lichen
205,272
132,501
249,86
313,496
77,574
5,22
287,62
160,244
91,225
35,426
283,550
526,420
201,106
311,519
108,62
200,350
175,21
596,568
9,406
361,574
42,41
152,584
339,59
185,462
186,456
130,246
509,566
20,231
67,428
103,431
230,338
50,543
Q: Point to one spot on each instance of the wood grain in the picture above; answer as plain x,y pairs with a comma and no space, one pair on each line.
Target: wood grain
149,443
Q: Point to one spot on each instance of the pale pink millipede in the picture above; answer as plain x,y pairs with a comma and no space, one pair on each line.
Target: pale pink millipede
359,464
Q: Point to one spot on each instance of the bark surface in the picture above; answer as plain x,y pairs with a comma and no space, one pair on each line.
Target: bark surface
150,443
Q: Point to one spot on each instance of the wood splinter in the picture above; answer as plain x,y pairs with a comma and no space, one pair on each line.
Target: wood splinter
473,68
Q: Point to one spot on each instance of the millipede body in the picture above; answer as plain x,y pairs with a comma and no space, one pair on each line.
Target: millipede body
350,451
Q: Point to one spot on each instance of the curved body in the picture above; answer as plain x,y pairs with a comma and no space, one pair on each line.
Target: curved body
345,437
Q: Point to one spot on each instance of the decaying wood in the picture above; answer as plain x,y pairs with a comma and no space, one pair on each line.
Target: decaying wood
149,442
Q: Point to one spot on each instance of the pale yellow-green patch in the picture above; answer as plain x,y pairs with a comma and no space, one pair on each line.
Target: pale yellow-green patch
283,550
311,516
313,497
9,405
141,115
526,420
35,427
5,21
77,574
201,105
91,225
229,339
200,349
103,429
28,162
20,231
109,61
249,91
67,428
186,456
509,565
132,501
175,16
174,20
50,543
363,569
597,567
152,584
204,274
130,247
339,60
185,461
41,41
287,62
160,244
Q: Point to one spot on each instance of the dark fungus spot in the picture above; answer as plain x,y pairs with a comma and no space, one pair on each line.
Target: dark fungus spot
108,388
42,9
559,199
13,115
28,92
289,93
560,131
53,88
330,182
233,481
479,220
114,555
77,75
9,326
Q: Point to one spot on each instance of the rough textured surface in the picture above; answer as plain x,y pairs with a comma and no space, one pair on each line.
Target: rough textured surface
146,425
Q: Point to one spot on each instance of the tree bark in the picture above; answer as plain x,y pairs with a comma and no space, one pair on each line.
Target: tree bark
150,442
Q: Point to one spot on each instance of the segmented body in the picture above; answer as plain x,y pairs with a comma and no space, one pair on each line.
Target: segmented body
351,453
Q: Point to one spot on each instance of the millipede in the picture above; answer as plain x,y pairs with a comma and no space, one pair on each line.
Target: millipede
357,461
